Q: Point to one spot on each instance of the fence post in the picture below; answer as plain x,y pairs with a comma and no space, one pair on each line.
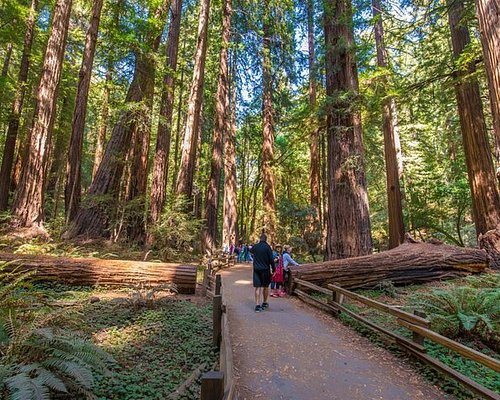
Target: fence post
337,298
212,385
217,319
419,339
218,284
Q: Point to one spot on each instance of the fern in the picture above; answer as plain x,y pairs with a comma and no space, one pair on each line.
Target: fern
464,312
37,359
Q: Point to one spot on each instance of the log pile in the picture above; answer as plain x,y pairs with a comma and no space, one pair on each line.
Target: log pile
408,263
94,271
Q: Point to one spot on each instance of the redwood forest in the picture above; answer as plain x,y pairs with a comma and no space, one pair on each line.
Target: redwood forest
146,145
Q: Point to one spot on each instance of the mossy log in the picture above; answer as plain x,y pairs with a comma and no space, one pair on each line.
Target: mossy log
411,262
95,271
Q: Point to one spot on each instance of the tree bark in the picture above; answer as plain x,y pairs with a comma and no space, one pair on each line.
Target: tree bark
406,264
314,172
222,126
482,182
73,187
269,192
103,123
104,191
15,113
6,60
188,159
160,166
28,203
348,216
230,211
488,14
94,271
392,147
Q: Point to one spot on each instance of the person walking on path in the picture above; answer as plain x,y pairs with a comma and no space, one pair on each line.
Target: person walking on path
263,267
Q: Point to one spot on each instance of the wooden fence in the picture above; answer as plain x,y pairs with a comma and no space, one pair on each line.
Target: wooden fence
416,323
219,385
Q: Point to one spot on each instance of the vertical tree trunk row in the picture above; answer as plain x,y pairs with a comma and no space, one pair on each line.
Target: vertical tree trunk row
392,147
104,191
348,215
484,191
188,159
28,203
222,115
73,189
15,113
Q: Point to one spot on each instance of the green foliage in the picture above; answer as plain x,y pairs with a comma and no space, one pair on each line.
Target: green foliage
465,312
177,233
36,358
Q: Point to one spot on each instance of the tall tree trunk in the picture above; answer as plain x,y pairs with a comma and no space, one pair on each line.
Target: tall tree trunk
15,114
488,14
230,210
314,174
222,126
137,185
349,219
28,203
484,191
94,220
160,166
392,147
103,123
269,193
6,60
190,145
73,187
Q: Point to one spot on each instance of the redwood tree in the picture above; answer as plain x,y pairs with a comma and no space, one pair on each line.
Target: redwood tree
72,190
269,193
222,113
392,147
160,166
484,191
28,202
104,191
488,14
15,114
190,142
348,215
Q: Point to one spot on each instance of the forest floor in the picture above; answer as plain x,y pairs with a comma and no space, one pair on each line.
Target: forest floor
293,351
156,339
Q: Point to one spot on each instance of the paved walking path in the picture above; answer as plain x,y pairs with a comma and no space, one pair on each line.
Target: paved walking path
295,352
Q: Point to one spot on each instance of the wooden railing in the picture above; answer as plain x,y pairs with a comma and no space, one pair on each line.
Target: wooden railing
219,385
416,323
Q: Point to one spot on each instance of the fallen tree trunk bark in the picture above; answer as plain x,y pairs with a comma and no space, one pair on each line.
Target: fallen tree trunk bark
408,263
94,271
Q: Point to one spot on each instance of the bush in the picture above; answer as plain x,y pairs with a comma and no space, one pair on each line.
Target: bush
465,312
177,233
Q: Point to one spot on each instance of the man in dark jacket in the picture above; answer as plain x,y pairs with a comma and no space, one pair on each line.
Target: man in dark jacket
263,267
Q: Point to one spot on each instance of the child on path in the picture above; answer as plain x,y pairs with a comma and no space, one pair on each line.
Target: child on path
277,278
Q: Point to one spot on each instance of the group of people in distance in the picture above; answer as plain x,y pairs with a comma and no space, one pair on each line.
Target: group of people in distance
270,267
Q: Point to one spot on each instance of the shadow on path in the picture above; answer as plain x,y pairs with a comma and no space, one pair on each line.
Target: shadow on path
294,352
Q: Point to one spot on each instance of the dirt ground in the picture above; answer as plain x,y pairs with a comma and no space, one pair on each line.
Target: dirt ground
293,351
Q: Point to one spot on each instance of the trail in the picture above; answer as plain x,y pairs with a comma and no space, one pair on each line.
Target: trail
295,352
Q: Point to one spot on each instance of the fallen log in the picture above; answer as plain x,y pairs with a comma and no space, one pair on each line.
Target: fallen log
408,263
95,271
